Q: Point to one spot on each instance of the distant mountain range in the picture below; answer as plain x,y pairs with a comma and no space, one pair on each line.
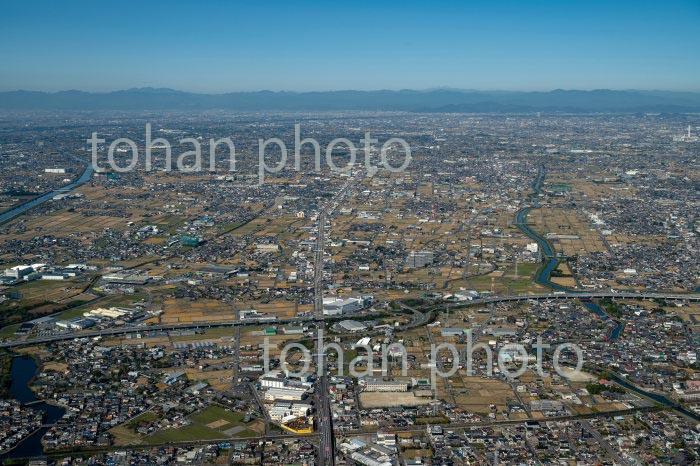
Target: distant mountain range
435,100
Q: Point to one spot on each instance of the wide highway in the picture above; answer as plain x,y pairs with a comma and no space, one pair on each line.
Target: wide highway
694,297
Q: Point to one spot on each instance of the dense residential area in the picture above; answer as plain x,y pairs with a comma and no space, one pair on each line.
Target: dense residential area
168,317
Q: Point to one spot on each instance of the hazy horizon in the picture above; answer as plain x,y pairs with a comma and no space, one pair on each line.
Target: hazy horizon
282,90
306,46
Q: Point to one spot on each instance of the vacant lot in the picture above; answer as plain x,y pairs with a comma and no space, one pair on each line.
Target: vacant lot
392,399
214,422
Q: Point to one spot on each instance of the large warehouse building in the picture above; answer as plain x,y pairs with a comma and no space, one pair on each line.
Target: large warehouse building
378,384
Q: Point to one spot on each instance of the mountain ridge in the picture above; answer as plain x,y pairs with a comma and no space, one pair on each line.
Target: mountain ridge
431,100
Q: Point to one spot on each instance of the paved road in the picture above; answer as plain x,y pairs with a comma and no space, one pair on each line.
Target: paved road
609,449
588,295
318,266
325,212
441,366
255,322
261,405
182,443
326,447
419,318
237,356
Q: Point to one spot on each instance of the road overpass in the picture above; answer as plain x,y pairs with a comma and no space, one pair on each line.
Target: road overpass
694,297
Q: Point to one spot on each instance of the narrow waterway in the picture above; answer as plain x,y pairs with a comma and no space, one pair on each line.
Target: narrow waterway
543,278
20,209
658,398
592,306
551,261
550,258
24,369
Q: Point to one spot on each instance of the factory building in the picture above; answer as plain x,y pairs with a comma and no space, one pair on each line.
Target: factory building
272,380
452,332
285,394
378,384
419,259
351,326
20,271
285,412
75,324
341,306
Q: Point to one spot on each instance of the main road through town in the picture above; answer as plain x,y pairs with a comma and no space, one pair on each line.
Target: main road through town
326,456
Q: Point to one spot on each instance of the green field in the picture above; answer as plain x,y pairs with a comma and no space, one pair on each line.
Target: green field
126,433
147,417
9,331
199,430
215,413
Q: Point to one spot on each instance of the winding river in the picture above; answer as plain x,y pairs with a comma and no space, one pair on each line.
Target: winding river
543,277
551,261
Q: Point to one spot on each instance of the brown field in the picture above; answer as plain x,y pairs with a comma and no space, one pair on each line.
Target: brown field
387,400
567,222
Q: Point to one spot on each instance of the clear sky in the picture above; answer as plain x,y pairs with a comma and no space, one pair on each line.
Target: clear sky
211,46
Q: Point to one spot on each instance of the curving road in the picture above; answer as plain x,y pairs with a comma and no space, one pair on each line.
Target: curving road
164,328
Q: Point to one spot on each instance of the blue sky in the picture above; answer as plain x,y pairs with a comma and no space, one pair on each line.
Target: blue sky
298,45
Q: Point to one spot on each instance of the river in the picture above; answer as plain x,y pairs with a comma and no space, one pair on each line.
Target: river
543,278
654,396
22,208
551,261
24,369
